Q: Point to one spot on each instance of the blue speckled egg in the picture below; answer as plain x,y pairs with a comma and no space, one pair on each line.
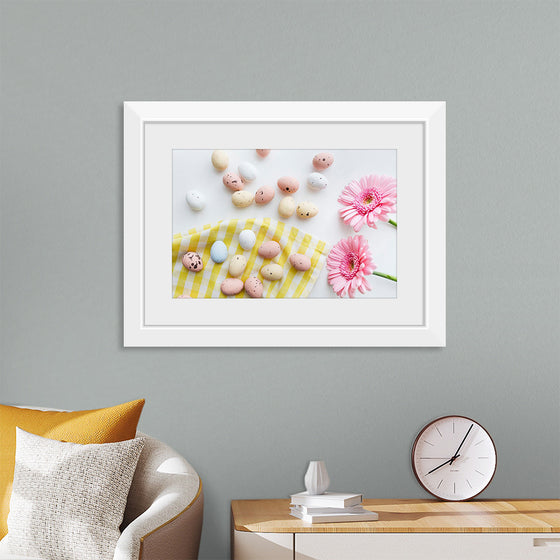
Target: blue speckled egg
218,252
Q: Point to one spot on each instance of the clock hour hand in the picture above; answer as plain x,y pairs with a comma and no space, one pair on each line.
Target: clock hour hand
461,445
443,464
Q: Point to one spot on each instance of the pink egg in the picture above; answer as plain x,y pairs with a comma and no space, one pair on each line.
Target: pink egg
288,184
269,249
300,262
233,182
254,287
323,161
193,261
264,195
231,286
263,153
184,296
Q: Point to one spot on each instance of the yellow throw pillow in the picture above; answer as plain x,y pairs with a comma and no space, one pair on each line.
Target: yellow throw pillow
104,425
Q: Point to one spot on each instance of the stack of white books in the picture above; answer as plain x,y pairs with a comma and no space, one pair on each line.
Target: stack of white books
330,507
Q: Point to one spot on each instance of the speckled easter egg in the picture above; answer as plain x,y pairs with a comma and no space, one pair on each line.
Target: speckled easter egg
288,185
323,161
231,286
247,239
254,287
272,272
300,262
220,160
233,181
264,195
269,249
193,261
218,252
317,182
242,199
237,265
195,200
247,171
287,207
306,210
263,153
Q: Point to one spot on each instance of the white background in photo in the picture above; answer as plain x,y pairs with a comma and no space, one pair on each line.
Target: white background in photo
193,170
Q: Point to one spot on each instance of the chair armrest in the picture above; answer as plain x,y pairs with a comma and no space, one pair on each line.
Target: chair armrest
163,517
163,532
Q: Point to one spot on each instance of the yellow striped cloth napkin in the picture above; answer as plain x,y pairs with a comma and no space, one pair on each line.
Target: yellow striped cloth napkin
206,284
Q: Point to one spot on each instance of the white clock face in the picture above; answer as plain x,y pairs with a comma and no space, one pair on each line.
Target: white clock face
454,458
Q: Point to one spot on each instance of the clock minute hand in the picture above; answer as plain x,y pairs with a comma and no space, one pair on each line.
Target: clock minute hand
443,464
461,445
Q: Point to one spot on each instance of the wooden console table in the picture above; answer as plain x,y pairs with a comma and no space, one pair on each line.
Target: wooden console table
406,529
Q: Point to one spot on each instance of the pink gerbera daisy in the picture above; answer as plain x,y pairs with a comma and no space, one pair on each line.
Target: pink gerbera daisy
348,265
367,200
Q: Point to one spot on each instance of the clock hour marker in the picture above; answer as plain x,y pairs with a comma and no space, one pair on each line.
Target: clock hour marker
484,457
468,482
440,483
438,432
429,443
479,442
479,472
453,426
454,489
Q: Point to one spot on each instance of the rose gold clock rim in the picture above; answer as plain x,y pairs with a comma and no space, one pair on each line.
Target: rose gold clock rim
431,424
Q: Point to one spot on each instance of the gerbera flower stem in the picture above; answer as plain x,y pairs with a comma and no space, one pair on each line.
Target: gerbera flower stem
383,275
393,223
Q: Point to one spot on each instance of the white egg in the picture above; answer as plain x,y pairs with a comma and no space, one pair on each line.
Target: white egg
247,239
317,182
247,171
195,200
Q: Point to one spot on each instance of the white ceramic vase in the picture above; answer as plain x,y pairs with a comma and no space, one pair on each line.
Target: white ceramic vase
316,478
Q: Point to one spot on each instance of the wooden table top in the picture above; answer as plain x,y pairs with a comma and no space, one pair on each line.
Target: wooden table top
409,516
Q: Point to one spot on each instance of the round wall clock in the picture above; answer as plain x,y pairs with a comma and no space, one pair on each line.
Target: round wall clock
454,458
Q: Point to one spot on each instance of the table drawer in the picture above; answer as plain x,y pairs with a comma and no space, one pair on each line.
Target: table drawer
262,546
427,546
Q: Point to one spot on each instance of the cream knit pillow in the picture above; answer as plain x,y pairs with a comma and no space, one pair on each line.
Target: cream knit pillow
68,499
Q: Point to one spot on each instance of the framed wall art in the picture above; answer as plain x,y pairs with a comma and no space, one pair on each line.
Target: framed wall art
284,224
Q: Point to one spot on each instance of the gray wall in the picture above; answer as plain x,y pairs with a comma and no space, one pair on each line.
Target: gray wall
249,419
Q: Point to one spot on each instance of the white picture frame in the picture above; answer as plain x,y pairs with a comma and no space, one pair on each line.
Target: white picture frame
415,318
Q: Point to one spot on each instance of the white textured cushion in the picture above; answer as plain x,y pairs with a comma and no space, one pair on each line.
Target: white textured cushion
68,499
17,557
5,555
